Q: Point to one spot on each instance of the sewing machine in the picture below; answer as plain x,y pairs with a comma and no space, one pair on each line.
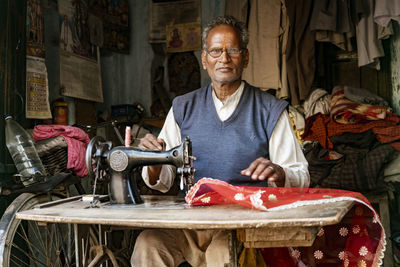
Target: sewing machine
104,162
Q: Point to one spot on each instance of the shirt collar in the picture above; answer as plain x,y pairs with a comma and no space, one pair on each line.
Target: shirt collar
233,99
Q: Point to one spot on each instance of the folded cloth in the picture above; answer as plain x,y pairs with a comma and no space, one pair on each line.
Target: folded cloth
77,141
363,96
319,101
321,127
346,111
358,240
393,167
358,169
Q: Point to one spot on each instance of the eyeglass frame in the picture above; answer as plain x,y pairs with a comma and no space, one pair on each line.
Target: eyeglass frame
226,50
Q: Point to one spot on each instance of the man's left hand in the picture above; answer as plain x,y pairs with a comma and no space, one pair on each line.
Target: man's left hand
262,169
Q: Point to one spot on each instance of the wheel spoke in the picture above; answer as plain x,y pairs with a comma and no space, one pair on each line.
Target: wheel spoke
36,232
26,243
35,260
24,237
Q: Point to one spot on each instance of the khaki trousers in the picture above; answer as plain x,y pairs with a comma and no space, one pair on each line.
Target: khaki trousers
171,247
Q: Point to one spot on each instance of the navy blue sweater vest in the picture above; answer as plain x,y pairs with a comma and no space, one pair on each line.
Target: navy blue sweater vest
224,148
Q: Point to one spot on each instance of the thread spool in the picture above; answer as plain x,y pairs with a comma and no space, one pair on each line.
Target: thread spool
127,136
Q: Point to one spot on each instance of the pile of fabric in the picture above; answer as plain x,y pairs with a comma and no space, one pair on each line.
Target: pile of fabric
352,142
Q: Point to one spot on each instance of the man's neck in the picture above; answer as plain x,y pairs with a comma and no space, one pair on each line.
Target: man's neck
223,91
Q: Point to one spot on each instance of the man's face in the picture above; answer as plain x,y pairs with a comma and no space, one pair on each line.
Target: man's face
224,69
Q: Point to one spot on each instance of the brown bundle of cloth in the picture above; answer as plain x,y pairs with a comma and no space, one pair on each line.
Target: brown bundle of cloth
351,145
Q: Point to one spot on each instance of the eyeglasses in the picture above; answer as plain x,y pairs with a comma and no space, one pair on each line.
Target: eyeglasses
217,52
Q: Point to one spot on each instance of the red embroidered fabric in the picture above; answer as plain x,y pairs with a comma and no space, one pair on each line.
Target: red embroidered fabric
358,240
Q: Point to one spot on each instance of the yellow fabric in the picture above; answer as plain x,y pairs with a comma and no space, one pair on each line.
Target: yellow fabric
251,257
297,132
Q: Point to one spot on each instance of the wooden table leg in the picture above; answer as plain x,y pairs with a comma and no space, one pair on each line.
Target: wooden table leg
233,249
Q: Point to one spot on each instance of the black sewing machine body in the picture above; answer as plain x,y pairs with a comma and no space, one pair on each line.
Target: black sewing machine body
119,162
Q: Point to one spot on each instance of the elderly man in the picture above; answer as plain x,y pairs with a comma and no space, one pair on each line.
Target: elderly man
239,134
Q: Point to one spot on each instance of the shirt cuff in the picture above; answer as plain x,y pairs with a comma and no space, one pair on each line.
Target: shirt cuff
165,181
296,178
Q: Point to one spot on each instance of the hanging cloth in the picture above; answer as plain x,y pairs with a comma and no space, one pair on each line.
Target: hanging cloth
386,10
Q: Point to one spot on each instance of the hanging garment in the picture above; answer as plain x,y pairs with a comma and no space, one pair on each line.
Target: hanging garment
238,9
385,32
369,47
386,10
263,69
300,52
331,22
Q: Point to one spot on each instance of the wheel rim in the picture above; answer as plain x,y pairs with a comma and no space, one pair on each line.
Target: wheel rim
25,243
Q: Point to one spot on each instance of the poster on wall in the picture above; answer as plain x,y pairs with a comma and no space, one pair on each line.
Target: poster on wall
80,75
37,104
37,89
183,37
113,16
74,29
34,29
80,78
163,13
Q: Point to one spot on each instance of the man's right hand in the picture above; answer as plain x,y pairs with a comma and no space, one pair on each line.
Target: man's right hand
151,142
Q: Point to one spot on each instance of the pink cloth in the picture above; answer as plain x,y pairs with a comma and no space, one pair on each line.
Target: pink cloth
77,141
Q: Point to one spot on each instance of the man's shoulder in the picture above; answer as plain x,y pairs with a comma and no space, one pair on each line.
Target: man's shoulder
190,95
184,104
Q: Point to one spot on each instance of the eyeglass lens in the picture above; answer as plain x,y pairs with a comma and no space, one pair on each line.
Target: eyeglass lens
232,52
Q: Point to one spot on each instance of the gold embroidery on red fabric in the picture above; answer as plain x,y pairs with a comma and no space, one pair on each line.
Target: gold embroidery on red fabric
321,232
206,199
318,254
343,231
359,211
272,198
239,196
356,229
296,253
363,251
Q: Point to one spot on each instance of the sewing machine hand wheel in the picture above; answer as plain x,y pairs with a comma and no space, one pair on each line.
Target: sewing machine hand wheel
96,154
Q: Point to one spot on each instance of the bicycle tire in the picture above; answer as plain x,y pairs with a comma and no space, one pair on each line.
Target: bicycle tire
25,243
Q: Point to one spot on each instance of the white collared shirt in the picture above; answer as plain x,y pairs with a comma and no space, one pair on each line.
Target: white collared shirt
284,148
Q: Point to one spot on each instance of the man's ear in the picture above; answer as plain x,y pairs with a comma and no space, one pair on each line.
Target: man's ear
204,59
245,58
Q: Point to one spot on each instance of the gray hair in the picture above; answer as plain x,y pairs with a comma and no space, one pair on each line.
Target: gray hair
239,26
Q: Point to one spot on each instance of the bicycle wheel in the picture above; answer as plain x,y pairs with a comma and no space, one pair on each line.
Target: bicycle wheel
26,243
